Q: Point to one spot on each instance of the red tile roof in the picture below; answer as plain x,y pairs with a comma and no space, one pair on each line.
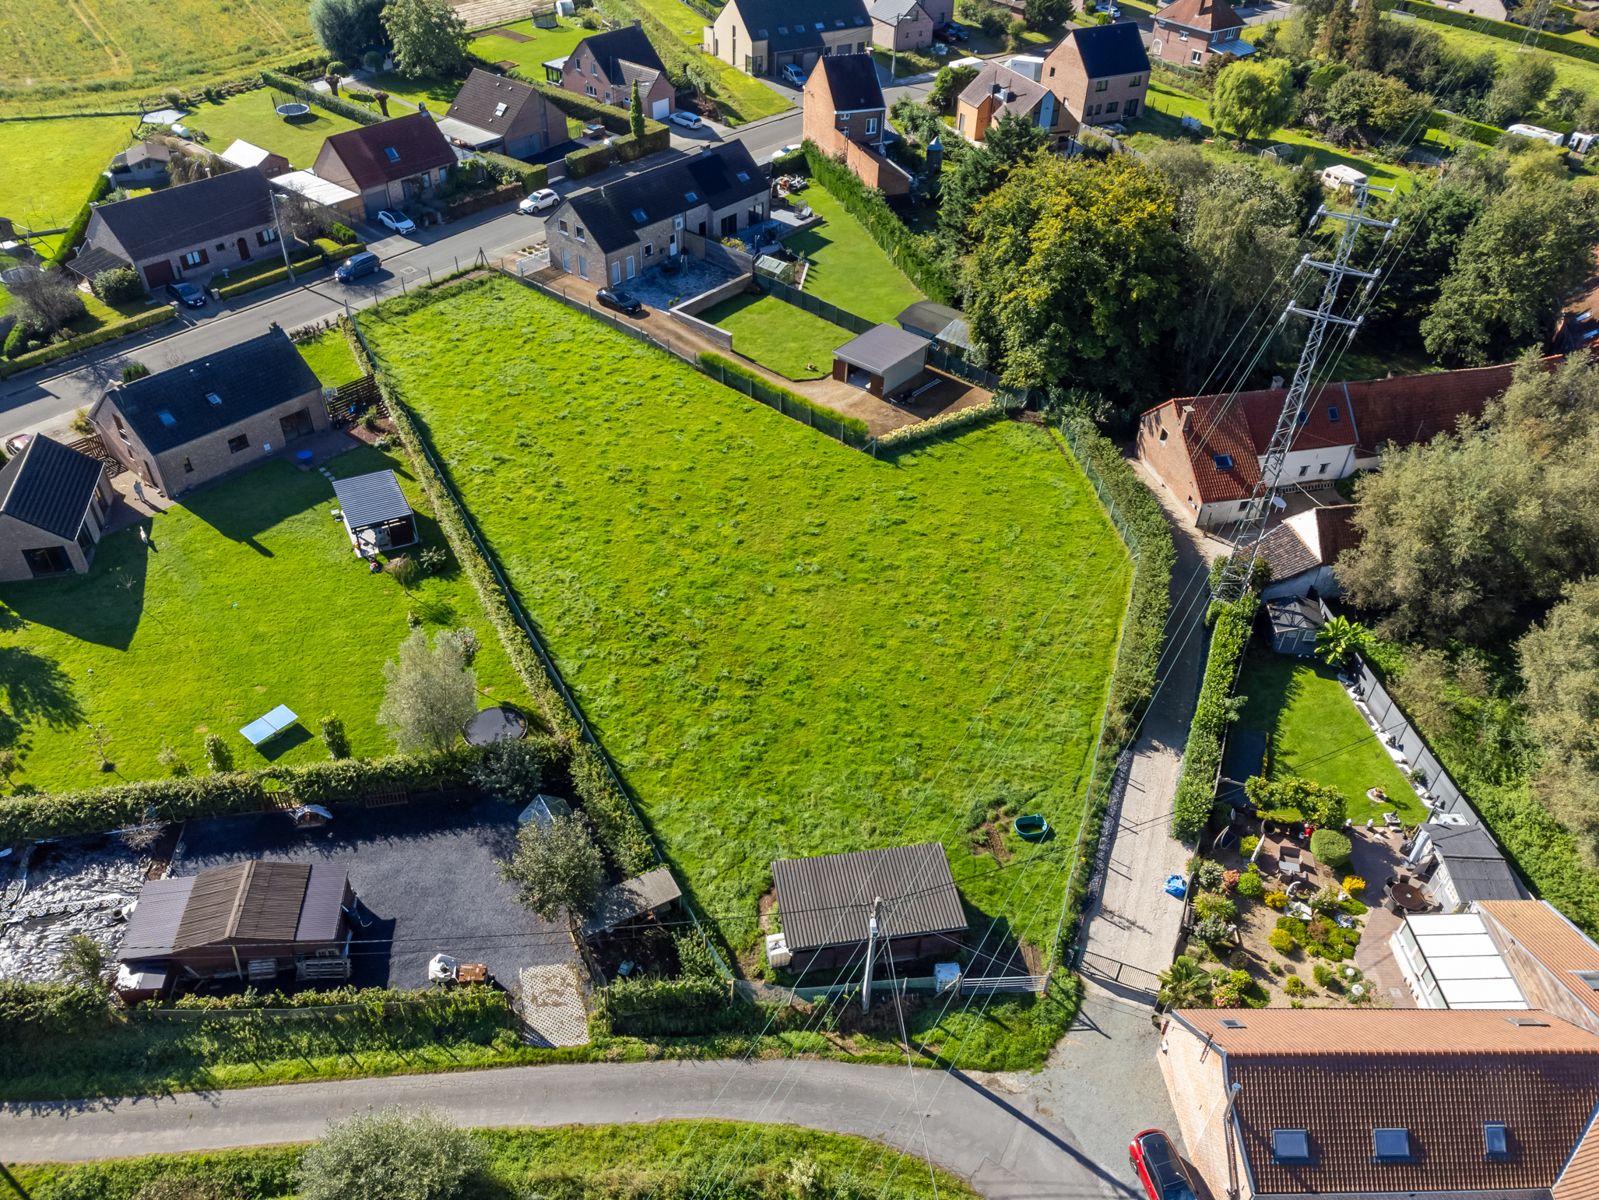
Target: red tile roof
416,141
1416,408
1580,1179
1439,1075
1558,945
1208,15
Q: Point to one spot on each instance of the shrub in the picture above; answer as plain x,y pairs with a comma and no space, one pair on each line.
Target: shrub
65,349
1251,886
695,958
1281,941
42,1011
1294,927
342,233
1331,847
1354,884
1295,986
217,755
1207,873
1248,845
514,771
557,868
1316,931
1211,930
1325,976
395,1154
1209,905
1294,800
98,190
134,370
1277,899
671,1007
1216,709
118,285
334,737
1229,881
429,692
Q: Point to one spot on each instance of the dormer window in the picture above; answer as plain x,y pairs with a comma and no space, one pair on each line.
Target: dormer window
1390,1145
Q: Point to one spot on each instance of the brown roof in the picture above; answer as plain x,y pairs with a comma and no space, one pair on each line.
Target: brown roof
1439,1075
1416,408
250,901
415,140
1580,1179
1286,553
1206,15
1014,91
1555,942
1336,530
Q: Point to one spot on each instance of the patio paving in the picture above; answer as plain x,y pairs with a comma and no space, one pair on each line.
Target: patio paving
658,288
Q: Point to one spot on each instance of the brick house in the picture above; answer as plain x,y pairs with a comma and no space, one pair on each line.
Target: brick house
998,90
1303,549
846,117
144,164
187,232
1099,75
903,24
1375,1104
761,37
53,506
1555,964
1188,32
502,115
1207,450
605,66
193,424
390,164
610,234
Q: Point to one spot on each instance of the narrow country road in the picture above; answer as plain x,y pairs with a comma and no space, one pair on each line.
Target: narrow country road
999,1142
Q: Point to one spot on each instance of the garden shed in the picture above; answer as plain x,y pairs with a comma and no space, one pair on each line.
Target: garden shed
375,512
633,900
1294,622
883,360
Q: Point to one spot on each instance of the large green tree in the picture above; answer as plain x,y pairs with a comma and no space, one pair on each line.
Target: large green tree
1365,106
556,868
1252,98
1432,221
1560,666
427,35
347,28
977,170
1073,274
1521,87
429,692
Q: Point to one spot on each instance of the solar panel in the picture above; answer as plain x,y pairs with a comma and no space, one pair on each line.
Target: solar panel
1290,1146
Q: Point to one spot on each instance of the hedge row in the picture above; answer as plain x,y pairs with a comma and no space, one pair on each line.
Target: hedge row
907,436
854,429
1196,789
621,831
626,148
617,120
910,252
323,100
98,190
29,816
322,256
1453,123
651,1007
1495,29
531,176
106,333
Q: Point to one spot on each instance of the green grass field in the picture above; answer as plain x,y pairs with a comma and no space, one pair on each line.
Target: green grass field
790,648
1317,733
328,355
786,339
1570,71
530,56
249,598
53,164
848,268
252,116
741,98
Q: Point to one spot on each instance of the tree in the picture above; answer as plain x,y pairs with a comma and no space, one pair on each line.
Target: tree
1332,38
1184,984
428,37
513,771
429,693
334,737
47,298
345,28
1365,38
1252,98
394,1154
1338,638
118,285
1296,799
83,963
556,868
1432,221
948,84
635,113
1046,16
916,120
978,170
1560,666
1362,105
1520,88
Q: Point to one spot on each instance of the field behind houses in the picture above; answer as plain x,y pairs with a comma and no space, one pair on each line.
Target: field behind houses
51,165
789,647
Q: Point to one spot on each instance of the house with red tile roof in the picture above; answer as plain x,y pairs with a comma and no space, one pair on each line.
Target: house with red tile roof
1188,32
1301,551
391,165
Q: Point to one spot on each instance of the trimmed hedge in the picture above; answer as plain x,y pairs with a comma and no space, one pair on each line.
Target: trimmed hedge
907,436
670,1008
106,333
853,430
910,252
621,831
314,260
1447,122
98,190
627,148
614,119
531,176
322,100
1494,29
1196,789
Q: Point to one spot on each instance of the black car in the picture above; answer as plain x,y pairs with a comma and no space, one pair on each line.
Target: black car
958,33
620,301
186,294
942,34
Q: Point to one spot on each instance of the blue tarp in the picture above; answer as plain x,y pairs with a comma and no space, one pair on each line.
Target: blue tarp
1176,886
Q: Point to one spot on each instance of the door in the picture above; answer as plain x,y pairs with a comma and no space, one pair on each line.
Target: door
616,273
630,268
582,267
159,274
671,246
244,250
661,109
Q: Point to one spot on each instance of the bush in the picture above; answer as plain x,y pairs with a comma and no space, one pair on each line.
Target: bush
1211,930
1229,881
67,246
1251,886
851,430
334,737
1324,975
1354,884
134,370
514,771
41,1011
1209,905
1277,899
1216,709
1281,941
395,1154
557,868
342,233
1248,846
1295,986
1206,872
73,345
333,104
1325,901
1294,800
217,755
615,820
671,1008
118,285
940,426
1331,847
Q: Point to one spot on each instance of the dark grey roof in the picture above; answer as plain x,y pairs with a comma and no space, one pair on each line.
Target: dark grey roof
939,322
95,259
632,898
784,25
49,486
371,499
173,408
881,348
153,926
322,910
718,176
1293,612
852,81
207,210
1477,866
1107,50
626,45
825,901
480,100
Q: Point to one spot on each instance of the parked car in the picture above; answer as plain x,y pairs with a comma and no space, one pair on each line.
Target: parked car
944,34
186,294
621,301
357,265
687,120
396,221
958,31
782,152
1160,1168
538,201
1111,11
594,130
794,74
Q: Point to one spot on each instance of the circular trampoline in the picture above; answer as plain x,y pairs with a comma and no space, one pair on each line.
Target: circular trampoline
502,723
293,110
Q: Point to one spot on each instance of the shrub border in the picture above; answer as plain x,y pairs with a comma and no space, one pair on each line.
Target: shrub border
853,426
106,333
1196,788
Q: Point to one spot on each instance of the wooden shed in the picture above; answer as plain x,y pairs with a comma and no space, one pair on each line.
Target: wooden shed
376,513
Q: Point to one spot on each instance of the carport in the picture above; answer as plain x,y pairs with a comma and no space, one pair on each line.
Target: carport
883,361
376,513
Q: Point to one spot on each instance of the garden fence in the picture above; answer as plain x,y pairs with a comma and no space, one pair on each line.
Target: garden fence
1105,498
774,398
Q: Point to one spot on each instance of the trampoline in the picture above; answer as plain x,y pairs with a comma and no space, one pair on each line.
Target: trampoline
502,723
293,110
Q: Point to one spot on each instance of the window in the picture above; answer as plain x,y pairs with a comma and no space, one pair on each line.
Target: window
221,247
1052,72
1290,1146
188,466
871,125
1112,105
638,215
50,560
577,232
691,197
616,274
239,442
860,47
1162,435
390,153
1131,110
499,109
167,419
582,267
561,225
1322,469
213,399
1304,470
1495,1141
960,123
588,90
729,226
1101,84
648,250
195,258
1135,81
1181,36
266,237
743,176
594,69
1224,462
1591,978
1390,1145
1195,58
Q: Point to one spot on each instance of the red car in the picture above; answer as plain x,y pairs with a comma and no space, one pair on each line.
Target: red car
1160,1168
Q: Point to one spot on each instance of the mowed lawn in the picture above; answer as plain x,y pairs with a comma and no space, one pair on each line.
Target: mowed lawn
794,343
531,55
741,97
249,598
253,117
51,165
328,355
1317,733
848,268
790,648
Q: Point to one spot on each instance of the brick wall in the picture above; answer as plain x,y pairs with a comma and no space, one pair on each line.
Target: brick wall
1197,1086
1168,457
876,171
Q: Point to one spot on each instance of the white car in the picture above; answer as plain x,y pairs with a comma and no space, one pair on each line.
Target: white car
687,120
396,221
538,201
782,152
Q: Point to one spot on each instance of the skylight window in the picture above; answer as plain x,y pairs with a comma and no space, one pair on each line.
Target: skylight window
820,25
499,109
743,176
1390,1145
1332,412
1304,417
391,154
1290,1146
215,399
167,418
1495,1141
692,197
1224,462
1232,1023
1591,978
782,29
638,215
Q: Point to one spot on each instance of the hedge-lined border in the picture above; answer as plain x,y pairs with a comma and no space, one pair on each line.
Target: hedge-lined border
98,190
1196,789
106,333
627,148
314,260
1495,29
907,437
853,426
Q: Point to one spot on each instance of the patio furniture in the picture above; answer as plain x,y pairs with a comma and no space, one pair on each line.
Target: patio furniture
472,973
1288,862
264,729
1409,898
1391,820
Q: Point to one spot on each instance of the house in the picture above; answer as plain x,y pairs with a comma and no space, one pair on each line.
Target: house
1188,32
846,117
1555,964
885,360
611,233
1362,1104
1099,75
997,90
1207,450
505,116
1302,550
251,921
141,166
899,25
825,904
375,513
241,153
390,164
53,506
605,66
641,900
1461,863
761,37
186,232
192,424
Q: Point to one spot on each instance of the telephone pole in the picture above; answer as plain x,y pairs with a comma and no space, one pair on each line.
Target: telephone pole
1264,499
871,954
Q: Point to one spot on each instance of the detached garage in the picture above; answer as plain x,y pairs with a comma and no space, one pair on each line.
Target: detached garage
883,360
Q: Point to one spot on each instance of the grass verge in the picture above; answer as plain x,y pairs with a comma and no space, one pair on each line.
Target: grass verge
329,357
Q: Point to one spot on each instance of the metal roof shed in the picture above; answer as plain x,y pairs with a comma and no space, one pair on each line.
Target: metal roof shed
375,512
883,360
632,899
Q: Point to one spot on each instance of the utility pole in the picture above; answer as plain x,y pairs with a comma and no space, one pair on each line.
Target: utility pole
1264,499
871,954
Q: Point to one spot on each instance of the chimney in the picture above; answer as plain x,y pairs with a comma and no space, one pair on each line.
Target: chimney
421,106
1188,416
